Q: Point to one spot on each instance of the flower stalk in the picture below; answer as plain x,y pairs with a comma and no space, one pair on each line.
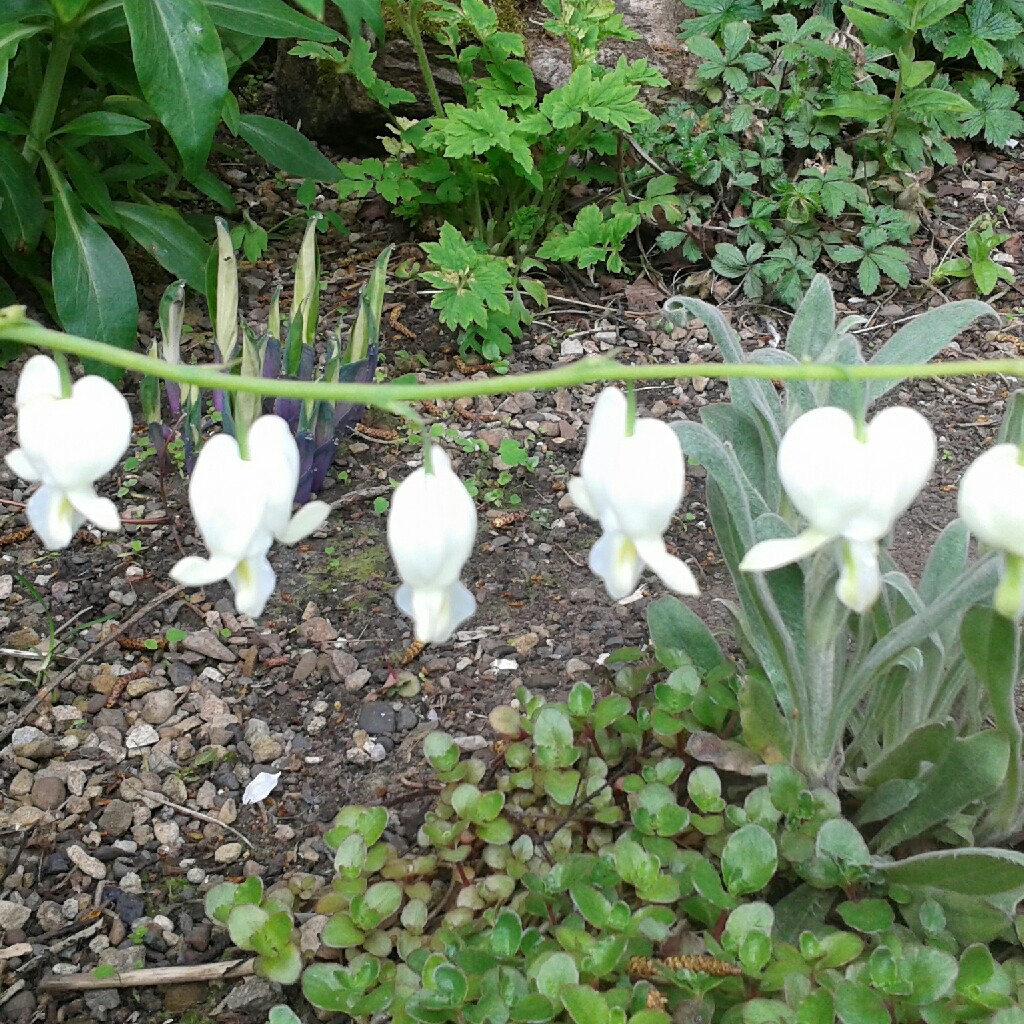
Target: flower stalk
16,327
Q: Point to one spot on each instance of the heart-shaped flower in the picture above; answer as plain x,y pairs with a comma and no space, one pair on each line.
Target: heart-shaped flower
632,484
431,529
991,503
241,506
67,444
848,485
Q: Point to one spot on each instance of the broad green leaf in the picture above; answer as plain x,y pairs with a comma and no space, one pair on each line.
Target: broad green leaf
283,1015
92,285
165,235
284,147
814,322
858,1004
21,202
946,561
674,627
89,184
272,19
972,770
585,1005
868,915
749,860
928,743
181,71
102,123
283,968
244,922
923,338
327,987
975,871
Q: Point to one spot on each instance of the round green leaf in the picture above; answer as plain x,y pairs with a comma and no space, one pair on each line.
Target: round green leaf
553,972
868,916
749,860
858,1004
585,1005
326,987
341,933
244,922
506,934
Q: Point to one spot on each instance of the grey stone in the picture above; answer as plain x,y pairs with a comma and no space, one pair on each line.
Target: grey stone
12,915
117,817
86,864
142,734
205,643
357,680
377,718
28,741
48,793
158,706
21,1007
407,719
228,853
102,1002
342,664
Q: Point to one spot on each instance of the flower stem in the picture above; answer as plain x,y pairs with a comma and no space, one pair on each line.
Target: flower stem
16,327
65,374
61,48
428,455
630,408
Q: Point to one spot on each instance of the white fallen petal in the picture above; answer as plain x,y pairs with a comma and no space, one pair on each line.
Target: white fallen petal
261,787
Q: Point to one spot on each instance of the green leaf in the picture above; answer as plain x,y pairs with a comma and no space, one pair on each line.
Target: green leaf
102,123
273,19
973,769
68,10
327,987
977,871
857,1004
283,1015
340,932
749,860
181,71
244,924
283,968
21,202
506,934
868,915
554,973
165,235
923,338
219,900
675,628
284,147
585,1005
814,322
93,287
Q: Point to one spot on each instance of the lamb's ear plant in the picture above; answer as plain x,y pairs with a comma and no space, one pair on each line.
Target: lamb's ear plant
903,704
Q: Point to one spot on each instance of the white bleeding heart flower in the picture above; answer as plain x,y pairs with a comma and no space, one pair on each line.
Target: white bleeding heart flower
991,503
241,506
633,485
431,529
849,487
67,444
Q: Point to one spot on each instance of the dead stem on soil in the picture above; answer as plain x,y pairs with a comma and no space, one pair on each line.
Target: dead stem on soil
176,975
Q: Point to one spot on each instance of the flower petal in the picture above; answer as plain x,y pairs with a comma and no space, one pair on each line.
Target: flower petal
53,517
253,582
646,485
431,525
272,447
227,496
991,499
194,571
860,579
438,611
674,572
307,519
773,554
101,511
615,559
39,378
20,465
577,491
